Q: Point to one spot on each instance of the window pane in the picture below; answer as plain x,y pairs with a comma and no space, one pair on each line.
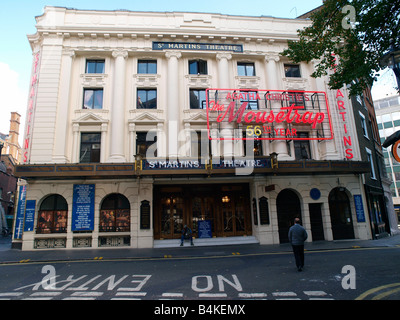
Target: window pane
98,99
193,67
88,99
142,67
95,66
292,70
152,67
100,67
241,70
90,67
250,70
147,66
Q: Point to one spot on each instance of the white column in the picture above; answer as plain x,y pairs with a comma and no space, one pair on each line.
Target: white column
104,129
75,144
60,139
173,111
224,83
117,140
274,83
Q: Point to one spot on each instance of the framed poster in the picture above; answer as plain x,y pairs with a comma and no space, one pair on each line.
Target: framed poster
83,207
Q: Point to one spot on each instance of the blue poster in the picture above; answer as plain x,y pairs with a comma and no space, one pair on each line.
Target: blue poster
19,218
204,229
359,208
83,207
29,215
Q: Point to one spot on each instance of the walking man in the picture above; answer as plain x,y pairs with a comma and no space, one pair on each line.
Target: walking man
297,236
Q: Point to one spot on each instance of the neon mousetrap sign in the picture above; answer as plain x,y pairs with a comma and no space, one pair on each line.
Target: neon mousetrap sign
269,114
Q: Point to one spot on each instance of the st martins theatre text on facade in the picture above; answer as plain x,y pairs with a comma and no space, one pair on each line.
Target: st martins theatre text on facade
141,122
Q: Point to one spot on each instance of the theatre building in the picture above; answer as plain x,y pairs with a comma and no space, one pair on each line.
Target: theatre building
139,123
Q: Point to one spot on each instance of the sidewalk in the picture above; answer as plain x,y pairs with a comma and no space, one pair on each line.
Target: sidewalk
8,255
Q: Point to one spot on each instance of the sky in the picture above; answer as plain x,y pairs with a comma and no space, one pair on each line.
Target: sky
17,20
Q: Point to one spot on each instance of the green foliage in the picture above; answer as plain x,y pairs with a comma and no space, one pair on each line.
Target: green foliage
348,47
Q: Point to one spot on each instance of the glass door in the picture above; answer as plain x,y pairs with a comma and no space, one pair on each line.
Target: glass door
171,217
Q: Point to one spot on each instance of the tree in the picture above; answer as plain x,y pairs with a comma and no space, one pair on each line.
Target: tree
348,38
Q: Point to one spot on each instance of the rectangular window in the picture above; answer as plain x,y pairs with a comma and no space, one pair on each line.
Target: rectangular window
251,98
302,147
292,71
93,99
371,161
197,67
95,66
142,145
90,148
246,69
257,146
363,125
296,98
147,66
198,99
200,145
147,99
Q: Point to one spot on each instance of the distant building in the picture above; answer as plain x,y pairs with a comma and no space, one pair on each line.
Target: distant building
9,157
388,118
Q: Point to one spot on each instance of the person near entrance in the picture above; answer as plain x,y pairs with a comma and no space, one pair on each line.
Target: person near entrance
186,234
297,236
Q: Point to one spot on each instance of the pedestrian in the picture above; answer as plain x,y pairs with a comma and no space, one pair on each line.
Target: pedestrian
186,234
297,236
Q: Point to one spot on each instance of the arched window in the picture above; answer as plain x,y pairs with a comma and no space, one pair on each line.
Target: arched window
115,214
53,215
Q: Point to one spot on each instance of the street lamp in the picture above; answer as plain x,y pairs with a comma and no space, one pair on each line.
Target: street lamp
274,160
392,60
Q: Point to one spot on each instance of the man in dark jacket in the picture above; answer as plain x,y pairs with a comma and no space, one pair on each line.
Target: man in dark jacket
186,234
297,236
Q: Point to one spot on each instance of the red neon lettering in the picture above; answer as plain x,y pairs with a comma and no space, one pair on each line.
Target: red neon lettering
349,154
347,141
261,117
339,94
341,105
343,113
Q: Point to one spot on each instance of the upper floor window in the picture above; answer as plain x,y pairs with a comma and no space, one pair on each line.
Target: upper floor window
197,99
363,125
93,99
197,67
250,98
302,147
371,162
255,144
90,147
143,143
246,69
95,66
147,99
292,71
297,98
147,66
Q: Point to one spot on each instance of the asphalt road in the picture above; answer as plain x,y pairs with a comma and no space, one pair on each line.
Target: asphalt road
363,274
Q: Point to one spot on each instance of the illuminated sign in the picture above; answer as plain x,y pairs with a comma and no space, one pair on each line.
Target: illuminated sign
269,114
197,46
396,150
31,108
346,138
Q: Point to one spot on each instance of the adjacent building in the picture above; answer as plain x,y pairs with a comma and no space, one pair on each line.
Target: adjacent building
388,119
139,123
